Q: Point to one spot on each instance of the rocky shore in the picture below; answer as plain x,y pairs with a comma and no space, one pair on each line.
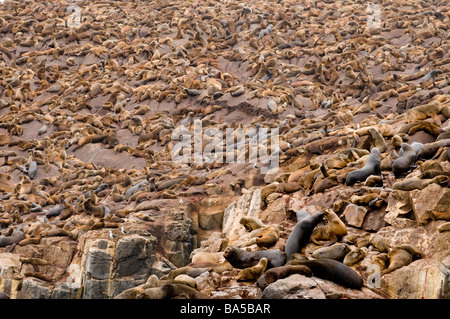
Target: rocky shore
96,98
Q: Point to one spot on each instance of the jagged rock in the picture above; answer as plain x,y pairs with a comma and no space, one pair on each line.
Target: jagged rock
248,204
9,266
431,202
178,239
426,239
294,287
133,255
33,288
399,204
422,279
354,215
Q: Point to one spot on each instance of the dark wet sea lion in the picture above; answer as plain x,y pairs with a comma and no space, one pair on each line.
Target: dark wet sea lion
372,167
240,258
404,163
301,234
335,271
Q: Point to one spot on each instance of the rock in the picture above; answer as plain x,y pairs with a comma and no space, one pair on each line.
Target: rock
354,215
33,288
431,202
294,287
133,255
247,205
178,239
399,204
421,279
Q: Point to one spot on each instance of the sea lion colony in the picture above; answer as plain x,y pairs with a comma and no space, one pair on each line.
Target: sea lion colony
348,97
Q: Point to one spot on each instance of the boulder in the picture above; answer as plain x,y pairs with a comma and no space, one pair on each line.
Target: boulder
422,279
354,215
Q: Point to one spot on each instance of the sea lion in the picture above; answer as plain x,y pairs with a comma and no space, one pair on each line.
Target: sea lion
251,223
267,237
381,261
400,256
288,187
354,256
186,280
323,235
404,163
240,258
430,149
16,236
378,140
372,167
336,252
374,181
181,291
187,270
335,271
335,223
410,184
379,242
444,227
253,273
301,234
274,274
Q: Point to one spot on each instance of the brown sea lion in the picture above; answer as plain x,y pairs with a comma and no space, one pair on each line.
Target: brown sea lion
323,235
410,184
267,237
354,256
251,223
274,274
253,273
335,223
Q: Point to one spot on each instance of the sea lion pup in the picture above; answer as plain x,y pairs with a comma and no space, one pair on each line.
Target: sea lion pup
409,184
378,140
336,252
323,235
335,271
335,223
379,242
251,223
355,256
240,258
380,261
253,273
405,162
401,256
301,234
266,237
374,181
372,167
